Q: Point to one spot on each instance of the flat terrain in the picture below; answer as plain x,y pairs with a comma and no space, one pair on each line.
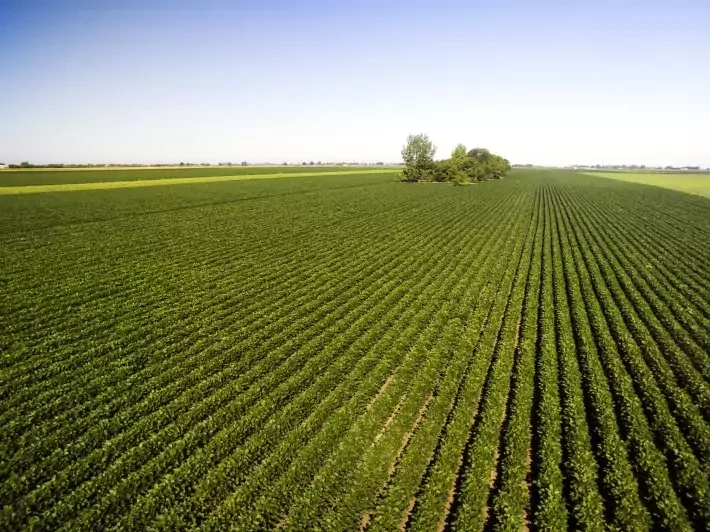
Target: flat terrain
45,176
162,182
351,353
691,182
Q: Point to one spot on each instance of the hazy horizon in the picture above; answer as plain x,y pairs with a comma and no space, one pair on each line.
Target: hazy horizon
544,83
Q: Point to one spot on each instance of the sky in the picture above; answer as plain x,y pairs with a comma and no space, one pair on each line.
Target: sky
540,82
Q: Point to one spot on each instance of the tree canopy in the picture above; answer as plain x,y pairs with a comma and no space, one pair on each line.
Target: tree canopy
463,167
418,155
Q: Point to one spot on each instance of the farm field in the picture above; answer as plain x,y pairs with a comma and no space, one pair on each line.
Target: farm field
167,181
15,178
351,353
691,182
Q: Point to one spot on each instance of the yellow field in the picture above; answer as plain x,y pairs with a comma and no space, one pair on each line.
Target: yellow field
685,182
69,187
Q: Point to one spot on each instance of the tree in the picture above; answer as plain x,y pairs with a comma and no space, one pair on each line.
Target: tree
479,154
463,167
460,178
418,156
443,170
498,166
459,153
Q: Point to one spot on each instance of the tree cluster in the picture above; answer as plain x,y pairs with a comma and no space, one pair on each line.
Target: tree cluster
461,168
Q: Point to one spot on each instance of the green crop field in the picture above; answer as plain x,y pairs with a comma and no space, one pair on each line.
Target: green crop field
166,181
691,182
347,352
14,178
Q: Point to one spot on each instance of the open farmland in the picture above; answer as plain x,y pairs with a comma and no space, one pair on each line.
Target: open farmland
167,181
347,352
63,176
691,182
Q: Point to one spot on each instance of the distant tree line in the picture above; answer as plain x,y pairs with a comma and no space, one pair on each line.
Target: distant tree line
463,167
26,164
635,167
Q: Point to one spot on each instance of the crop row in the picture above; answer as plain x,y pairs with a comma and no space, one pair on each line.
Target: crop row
530,352
153,423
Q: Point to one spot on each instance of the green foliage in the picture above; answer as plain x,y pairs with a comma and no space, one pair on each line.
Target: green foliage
460,178
462,167
347,352
418,156
459,153
48,177
443,170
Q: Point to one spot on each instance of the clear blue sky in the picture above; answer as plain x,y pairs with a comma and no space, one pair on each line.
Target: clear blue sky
548,82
